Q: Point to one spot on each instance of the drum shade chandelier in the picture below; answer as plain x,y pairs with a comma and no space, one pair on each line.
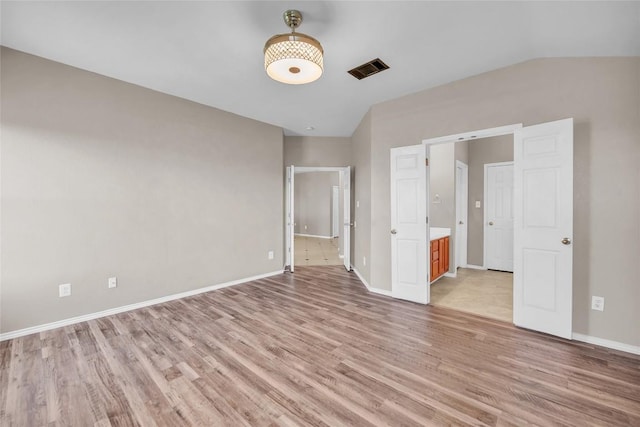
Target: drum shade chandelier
294,58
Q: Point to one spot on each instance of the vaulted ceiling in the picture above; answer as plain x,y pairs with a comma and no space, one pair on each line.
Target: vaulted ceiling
211,52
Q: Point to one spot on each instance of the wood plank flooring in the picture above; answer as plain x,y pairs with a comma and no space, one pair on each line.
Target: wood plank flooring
310,348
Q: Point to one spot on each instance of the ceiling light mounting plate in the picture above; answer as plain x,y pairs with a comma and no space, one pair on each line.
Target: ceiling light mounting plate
293,18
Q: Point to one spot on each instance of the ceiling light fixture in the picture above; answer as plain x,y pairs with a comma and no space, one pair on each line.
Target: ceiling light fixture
294,58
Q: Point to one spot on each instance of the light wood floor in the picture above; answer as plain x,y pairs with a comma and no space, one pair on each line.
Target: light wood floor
310,348
482,292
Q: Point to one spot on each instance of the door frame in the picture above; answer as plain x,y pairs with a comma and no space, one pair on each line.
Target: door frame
460,256
484,210
466,136
345,240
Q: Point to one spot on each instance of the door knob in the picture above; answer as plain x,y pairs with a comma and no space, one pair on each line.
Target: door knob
566,241
461,222
393,231
490,222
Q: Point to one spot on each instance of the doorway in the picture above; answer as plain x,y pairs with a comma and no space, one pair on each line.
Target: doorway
458,176
543,222
317,216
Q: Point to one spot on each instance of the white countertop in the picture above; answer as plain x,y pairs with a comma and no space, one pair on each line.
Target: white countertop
436,233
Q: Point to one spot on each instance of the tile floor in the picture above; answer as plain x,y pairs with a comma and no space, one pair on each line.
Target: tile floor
316,251
484,292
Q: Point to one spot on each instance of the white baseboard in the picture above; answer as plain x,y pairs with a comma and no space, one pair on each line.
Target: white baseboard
313,235
615,345
129,307
454,275
369,288
474,267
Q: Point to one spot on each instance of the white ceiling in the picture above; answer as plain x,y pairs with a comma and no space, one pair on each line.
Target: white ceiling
211,52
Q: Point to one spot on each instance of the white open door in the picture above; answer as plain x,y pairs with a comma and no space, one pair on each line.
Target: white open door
346,235
543,227
409,262
289,228
498,216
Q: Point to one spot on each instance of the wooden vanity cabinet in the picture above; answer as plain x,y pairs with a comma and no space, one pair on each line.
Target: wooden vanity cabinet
439,257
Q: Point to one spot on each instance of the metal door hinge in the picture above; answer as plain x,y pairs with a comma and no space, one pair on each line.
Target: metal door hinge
426,162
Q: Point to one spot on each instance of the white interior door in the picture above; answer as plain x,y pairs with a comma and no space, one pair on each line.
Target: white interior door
346,235
543,206
289,229
462,195
409,235
498,219
335,211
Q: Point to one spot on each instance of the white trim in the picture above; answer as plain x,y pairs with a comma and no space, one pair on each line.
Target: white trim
304,169
475,267
313,235
477,134
454,274
369,288
129,307
634,349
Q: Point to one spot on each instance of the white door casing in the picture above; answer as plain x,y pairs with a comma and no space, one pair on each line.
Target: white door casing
289,228
345,186
498,216
543,228
346,235
409,231
462,194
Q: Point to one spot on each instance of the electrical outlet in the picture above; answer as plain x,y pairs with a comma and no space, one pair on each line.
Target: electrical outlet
270,255
64,290
597,303
357,203
113,282
477,203
305,227
364,260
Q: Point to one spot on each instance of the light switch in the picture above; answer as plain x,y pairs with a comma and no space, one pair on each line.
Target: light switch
477,203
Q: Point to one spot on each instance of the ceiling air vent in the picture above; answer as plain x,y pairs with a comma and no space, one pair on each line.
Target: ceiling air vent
369,69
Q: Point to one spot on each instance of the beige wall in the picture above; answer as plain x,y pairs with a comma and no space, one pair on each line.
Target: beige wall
317,151
603,97
312,209
481,152
361,198
101,178
442,172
